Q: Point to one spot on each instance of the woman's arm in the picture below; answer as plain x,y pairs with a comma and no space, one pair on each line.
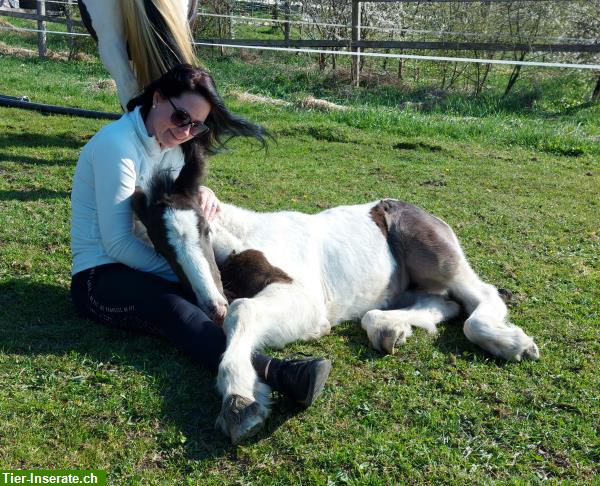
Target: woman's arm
115,178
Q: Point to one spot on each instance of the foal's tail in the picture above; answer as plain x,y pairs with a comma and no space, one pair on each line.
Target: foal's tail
158,35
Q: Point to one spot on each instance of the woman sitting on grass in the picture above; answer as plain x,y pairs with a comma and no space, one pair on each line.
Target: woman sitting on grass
119,280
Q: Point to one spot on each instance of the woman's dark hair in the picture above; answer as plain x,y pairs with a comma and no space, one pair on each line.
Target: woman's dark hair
223,124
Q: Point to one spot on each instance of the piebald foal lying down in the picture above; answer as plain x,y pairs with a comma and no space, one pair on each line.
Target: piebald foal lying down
294,276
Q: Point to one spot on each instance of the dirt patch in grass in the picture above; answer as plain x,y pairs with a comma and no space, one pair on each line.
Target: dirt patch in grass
104,85
29,53
434,183
307,103
320,105
252,98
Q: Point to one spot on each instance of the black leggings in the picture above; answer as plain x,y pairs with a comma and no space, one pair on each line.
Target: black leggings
120,296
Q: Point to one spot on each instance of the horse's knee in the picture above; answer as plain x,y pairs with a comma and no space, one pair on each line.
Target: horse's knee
322,328
384,331
241,313
370,319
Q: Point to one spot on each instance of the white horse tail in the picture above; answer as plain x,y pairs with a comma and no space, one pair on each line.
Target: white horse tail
158,35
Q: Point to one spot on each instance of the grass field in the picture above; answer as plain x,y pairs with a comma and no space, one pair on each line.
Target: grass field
519,185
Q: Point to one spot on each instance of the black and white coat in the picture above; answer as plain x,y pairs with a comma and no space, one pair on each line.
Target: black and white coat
293,276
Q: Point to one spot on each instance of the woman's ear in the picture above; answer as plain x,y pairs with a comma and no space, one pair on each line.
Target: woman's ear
157,98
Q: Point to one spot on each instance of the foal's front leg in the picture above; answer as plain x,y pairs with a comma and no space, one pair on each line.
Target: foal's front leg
280,314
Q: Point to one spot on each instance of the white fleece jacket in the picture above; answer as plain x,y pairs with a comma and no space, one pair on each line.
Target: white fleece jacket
118,158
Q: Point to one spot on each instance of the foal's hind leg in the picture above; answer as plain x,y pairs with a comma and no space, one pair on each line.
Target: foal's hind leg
387,329
429,251
487,325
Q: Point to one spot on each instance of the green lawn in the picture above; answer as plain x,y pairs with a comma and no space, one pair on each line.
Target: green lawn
520,187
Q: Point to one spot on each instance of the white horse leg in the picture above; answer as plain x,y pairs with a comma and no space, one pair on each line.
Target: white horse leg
245,404
278,315
487,325
107,22
389,328
113,52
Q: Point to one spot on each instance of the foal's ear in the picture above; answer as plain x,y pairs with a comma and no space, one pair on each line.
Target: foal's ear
139,203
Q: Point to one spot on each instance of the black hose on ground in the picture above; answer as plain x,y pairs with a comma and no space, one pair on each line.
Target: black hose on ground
23,102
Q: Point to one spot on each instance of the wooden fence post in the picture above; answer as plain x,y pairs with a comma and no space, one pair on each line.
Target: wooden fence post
41,25
69,16
596,92
355,38
286,25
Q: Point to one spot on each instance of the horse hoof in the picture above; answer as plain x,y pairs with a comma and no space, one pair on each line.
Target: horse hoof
241,418
528,351
532,352
389,338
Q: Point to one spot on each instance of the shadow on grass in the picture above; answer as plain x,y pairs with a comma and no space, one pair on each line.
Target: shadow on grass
37,319
450,341
34,141
31,139
26,159
33,195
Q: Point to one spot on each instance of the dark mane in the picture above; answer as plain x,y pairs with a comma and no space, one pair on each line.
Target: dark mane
178,191
161,183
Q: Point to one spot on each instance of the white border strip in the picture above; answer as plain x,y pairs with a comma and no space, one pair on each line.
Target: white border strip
412,56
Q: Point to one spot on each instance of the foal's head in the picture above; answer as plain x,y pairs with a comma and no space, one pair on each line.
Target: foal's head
171,213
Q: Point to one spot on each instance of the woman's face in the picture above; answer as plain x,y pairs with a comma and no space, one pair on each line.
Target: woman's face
159,124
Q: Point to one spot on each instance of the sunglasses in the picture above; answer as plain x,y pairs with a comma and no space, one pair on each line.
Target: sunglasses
181,118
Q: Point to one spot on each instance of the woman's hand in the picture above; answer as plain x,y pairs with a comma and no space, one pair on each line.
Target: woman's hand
209,203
